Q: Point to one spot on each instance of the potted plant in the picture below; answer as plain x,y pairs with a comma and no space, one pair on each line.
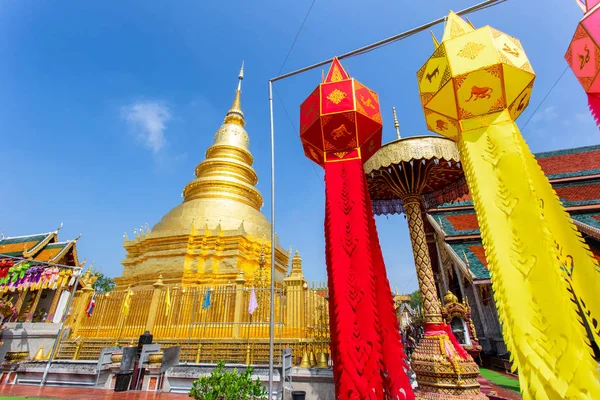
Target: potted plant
224,385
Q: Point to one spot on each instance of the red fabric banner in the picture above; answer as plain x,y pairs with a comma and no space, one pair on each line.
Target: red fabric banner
367,354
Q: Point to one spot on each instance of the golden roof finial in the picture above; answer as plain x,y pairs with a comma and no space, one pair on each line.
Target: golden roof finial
235,114
396,124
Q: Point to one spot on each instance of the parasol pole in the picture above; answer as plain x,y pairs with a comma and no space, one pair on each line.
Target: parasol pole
60,332
272,310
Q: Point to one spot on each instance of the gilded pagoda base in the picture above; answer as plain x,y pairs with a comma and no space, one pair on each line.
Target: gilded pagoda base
443,377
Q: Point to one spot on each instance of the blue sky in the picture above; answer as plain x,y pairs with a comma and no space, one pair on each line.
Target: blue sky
107,107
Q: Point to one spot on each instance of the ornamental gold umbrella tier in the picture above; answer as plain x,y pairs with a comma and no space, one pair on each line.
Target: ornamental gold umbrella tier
409,175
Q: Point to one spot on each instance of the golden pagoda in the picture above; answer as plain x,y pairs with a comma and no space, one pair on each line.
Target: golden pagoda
189,281
218,230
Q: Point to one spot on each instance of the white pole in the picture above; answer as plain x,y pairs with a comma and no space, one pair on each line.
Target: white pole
272,317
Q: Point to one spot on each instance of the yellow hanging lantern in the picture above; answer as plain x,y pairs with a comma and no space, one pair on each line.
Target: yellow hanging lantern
476,83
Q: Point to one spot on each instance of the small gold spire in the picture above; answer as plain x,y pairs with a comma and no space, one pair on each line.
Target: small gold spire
396,124
235,114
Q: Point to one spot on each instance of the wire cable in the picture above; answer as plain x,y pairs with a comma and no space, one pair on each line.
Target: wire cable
296,38
544,99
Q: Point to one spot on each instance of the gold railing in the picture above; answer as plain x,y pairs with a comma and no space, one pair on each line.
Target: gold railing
223,330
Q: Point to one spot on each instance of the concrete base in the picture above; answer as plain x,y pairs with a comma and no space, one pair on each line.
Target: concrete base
27,336
62,373
179,379
317,383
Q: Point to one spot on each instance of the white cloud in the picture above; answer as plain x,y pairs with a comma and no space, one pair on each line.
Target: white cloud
546,115
150,119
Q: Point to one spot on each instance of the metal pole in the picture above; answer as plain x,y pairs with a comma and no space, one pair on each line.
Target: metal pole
272,317
394,38
60,331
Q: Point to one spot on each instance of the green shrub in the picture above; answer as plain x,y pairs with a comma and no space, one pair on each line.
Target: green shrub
223,385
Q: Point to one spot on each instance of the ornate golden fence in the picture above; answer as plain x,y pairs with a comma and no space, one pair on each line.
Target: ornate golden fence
222,330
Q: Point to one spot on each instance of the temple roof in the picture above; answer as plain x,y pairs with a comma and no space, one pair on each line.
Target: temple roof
574,174
43,247
570,164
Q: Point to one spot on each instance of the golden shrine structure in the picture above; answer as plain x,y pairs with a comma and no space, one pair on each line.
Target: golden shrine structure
189,280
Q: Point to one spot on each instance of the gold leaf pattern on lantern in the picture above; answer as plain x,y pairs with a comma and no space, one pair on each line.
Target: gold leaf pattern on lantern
462,113
496,33
498,104
505,59
336,76
527,67
328,145
425,97
336,96
352,142
313,154
446,77
495,70
325,119
580,33
459,80
349,116
471,50
341,154
456,30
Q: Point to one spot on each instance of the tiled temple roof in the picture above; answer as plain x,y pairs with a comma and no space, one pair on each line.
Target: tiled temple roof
39,247
580,194
579,162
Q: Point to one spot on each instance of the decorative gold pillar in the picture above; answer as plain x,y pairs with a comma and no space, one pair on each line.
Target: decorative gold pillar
34,305
441,372
432,310
240,281
84,298
158,287
20,300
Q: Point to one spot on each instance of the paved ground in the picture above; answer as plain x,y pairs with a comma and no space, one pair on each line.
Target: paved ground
62,393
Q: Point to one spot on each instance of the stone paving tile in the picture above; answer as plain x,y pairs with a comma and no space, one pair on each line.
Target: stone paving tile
64,393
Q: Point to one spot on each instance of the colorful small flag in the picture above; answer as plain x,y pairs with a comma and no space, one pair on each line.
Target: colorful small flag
127,302
253,305
206,301
168,302
90,308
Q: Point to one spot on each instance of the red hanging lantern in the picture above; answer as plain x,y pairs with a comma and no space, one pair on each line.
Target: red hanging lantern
340,120
340,128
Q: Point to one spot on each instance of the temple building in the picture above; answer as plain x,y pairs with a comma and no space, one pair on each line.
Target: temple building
455,242
218,230
37,275
190,279
37,298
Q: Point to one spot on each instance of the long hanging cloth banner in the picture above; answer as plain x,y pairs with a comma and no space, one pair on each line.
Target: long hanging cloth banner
340,127
526,233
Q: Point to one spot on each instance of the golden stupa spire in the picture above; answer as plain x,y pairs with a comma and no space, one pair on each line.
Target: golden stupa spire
235,114
223,192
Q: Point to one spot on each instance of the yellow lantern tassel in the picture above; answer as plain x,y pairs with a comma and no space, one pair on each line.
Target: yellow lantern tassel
539,320
579,267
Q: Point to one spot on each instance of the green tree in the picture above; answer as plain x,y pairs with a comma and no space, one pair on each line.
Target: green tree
416,299
103,284
228,385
